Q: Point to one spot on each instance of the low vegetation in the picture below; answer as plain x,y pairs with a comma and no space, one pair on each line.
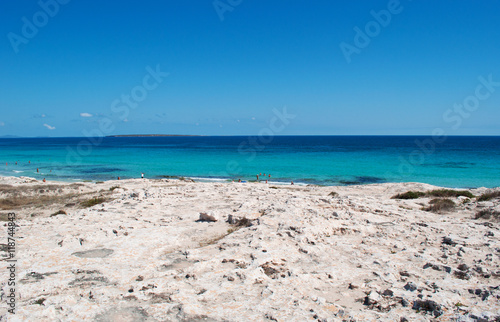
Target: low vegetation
243,222
113,188
92,202
13,203
60,212
489,195
440,205
488,214
448,193
409,195
214,240
333,194
439,193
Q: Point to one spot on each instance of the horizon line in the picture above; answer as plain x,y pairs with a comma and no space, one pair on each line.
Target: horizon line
231,135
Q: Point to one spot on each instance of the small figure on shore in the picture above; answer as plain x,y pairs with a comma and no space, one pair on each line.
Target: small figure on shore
37,170
266,181
239,180
118,178
44,180
142,175
292,183
257,177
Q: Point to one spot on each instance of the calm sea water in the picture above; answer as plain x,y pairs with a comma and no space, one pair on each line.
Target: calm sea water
325,160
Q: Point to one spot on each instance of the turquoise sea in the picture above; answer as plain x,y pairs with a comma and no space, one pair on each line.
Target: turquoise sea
326,160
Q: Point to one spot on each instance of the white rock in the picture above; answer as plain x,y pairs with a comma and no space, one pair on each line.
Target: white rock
374,297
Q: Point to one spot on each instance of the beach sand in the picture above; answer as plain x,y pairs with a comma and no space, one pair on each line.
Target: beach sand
292,253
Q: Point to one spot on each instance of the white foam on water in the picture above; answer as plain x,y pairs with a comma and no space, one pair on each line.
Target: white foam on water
209,179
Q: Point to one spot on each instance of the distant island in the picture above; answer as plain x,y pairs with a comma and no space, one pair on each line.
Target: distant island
146,135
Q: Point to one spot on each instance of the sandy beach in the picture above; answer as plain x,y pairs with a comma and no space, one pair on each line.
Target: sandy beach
176,250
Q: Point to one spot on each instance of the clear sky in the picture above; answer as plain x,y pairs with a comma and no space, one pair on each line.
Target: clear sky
73,68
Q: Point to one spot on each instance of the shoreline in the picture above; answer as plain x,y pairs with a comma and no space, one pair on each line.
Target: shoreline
155,250
227,180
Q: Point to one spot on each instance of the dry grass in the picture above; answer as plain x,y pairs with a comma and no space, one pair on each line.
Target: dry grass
215,239
92,202
440,193
60,212
488,214
440,205
447,193
40,196
33,201
409,195
489,195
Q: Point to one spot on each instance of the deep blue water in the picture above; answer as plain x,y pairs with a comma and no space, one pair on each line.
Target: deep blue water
327,160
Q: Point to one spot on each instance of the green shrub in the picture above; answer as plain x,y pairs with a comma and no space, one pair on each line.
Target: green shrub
440,193
488,196
93,202
440,205
409,195
447,193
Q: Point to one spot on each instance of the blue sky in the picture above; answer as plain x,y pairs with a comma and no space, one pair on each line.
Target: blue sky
232,63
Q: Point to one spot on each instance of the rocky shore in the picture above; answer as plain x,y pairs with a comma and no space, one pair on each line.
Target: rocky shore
172,250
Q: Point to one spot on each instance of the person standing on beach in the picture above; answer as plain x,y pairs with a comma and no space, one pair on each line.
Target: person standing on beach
142,175
257,177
